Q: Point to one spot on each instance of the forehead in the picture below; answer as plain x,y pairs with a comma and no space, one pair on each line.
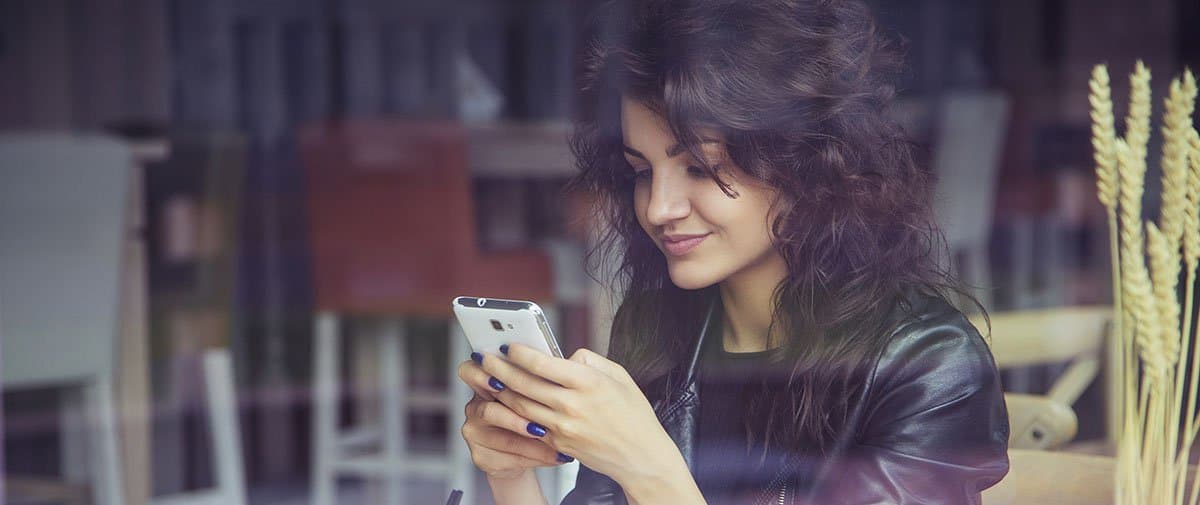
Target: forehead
641,124
646,131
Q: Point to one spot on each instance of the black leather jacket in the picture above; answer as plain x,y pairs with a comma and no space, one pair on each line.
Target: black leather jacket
930,427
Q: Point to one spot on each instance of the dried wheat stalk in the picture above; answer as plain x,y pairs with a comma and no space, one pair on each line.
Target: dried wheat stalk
1158,422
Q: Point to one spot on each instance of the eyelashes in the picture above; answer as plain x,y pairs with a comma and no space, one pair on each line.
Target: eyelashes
635,175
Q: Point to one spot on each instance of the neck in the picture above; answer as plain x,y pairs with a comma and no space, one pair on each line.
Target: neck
748,300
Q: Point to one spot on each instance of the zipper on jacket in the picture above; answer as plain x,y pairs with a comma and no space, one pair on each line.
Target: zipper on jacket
768,497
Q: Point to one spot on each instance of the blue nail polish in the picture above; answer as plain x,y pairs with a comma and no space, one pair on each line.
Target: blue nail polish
535,429
504,348
564,458
496,384
477,357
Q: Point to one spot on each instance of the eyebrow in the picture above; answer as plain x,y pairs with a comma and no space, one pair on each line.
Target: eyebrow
672,151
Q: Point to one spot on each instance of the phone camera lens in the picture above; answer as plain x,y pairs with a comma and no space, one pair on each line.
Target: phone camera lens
497,326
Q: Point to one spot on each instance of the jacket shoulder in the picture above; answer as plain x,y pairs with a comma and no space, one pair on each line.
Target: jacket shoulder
933,336
932,425
935,359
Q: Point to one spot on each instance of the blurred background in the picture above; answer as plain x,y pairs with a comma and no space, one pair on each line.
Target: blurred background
230,229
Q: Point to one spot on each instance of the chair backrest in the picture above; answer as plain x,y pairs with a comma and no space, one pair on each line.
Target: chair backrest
390,213
1071,335
1045,336
62,227
1074,335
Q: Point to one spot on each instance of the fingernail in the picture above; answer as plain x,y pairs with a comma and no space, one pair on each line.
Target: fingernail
564,458
504,348
496,384
477,357
536,429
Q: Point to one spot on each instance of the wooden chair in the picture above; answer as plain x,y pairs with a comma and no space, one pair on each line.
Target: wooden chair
1057,478
1039,422
1073,335
1054,478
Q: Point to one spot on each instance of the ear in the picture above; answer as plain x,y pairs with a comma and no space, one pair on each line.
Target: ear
779,202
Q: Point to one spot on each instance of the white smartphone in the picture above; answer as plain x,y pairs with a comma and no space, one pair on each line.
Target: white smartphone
490,322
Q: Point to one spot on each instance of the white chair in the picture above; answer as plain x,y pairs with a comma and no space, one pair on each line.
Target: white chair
381,450
227,447
971,132
3,473
62,226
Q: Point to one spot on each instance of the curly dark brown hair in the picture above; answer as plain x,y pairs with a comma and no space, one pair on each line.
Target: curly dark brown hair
800,90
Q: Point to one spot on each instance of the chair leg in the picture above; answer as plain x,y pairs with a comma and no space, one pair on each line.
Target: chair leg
325,400
105,460
392,394
462,469
222,417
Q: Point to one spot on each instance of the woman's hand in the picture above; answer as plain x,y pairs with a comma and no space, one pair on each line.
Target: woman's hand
591,408
503,444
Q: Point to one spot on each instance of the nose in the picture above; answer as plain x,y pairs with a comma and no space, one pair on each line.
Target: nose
668,199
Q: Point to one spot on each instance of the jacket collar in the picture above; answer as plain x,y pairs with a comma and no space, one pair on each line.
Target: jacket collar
683,414
711,325
679,414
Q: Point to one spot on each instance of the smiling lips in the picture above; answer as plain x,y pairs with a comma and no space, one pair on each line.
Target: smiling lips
678,245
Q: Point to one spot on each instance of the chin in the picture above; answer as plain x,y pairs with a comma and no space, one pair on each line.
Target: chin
691,276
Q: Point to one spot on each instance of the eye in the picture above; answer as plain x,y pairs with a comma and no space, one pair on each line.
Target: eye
633,174
701,173
636,173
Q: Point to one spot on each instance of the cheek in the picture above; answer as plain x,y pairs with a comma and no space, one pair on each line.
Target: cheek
746,219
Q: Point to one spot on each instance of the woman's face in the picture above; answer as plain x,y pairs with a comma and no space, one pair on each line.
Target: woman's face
706,236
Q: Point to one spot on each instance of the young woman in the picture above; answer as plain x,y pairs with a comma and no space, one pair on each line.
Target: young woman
784,334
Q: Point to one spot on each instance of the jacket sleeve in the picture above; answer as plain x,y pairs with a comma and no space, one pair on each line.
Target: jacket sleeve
935,427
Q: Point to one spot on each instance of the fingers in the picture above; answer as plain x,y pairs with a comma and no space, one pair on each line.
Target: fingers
531,409
477,379
478,432
491,460
522,381
561,371
494,413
